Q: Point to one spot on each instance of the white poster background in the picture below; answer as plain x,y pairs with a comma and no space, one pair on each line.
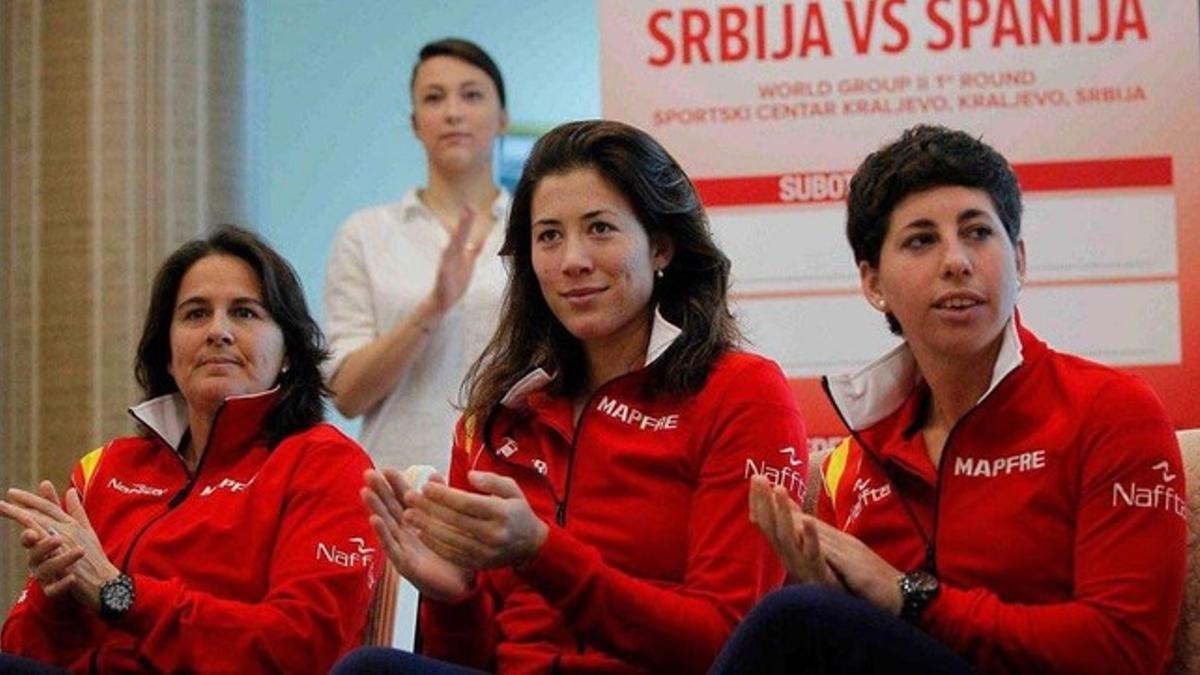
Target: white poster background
1100,124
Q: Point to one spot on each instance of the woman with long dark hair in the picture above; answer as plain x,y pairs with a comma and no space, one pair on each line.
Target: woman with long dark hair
595,515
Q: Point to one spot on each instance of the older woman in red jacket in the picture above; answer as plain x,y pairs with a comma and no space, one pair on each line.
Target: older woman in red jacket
229,536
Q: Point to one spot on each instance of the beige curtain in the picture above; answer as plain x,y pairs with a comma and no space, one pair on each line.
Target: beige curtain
121,136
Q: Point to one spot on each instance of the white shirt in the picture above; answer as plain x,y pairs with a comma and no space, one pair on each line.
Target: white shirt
384,262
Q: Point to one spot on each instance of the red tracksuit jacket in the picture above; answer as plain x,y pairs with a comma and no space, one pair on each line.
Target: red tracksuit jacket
651,558
1055,520
261,562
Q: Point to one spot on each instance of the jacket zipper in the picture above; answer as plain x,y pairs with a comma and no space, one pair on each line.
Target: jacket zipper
931,553
175,501
560,515
561,511
930,537
560,506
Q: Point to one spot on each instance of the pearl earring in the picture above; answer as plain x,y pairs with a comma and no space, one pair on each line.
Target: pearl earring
659,273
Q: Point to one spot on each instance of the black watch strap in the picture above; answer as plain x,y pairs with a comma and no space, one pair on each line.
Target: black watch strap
116,597
918,589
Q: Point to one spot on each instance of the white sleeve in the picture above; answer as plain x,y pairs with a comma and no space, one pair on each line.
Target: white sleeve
349,309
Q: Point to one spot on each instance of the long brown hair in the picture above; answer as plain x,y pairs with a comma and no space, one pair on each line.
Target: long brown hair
691,293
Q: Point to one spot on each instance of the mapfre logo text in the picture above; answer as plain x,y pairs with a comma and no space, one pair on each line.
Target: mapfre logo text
1033,460
636,418
226,484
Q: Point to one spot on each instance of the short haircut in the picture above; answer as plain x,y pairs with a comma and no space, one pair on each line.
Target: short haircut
925,157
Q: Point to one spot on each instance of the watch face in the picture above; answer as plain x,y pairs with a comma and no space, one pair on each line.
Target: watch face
116,596
923,582
917,590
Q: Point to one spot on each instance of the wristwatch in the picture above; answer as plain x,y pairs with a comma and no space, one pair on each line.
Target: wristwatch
917,589
116,597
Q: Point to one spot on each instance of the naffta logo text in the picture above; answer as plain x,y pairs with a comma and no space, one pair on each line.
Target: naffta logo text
789,478
360,555
1162,496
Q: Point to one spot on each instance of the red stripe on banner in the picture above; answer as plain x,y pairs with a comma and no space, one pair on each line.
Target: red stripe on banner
1095,173
739,191
825,187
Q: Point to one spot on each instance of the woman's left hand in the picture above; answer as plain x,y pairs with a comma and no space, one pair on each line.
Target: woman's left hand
497,528
864,572
91,568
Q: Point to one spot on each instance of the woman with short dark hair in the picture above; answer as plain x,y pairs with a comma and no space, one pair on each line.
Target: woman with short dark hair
974,518
228,537
595,517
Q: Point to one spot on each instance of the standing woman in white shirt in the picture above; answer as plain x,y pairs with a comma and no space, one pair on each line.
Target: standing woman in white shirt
412,287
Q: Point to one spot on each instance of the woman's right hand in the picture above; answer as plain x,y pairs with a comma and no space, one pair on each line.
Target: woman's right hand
79,558
791,532
49,559
458,260
434,576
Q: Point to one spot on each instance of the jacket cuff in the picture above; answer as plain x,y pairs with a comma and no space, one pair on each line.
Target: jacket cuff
62,609
942,618
560,566
469,610
149,597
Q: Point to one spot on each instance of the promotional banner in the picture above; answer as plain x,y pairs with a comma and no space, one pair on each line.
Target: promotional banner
771,106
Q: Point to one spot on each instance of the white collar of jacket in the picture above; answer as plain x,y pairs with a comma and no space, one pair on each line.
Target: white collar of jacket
663,334
879,389
411,205
167,415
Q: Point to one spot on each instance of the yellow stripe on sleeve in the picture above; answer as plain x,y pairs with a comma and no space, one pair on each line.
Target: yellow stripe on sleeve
834,467
88,466
469,435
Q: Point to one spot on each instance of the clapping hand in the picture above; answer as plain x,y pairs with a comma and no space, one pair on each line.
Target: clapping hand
862,570
495,528
434,576
817,552
64,552
458,260
791,532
